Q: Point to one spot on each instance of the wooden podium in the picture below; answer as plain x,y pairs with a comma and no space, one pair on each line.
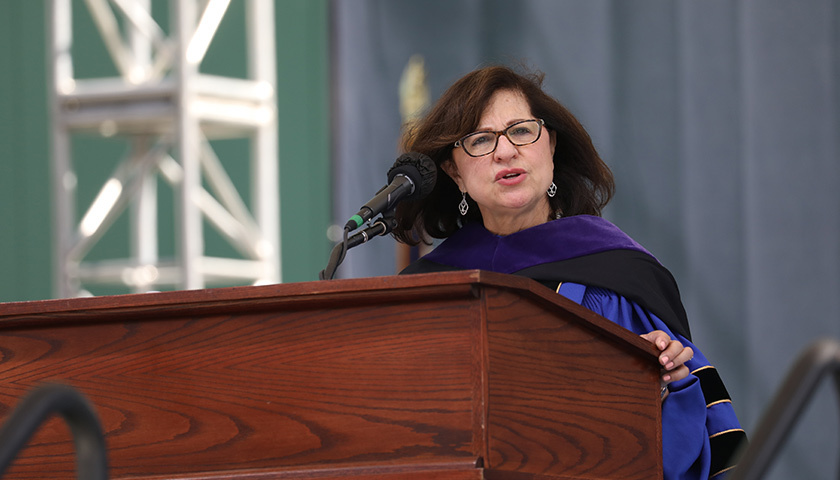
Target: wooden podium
463,375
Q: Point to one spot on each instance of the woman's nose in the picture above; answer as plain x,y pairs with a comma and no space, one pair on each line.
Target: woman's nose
504,149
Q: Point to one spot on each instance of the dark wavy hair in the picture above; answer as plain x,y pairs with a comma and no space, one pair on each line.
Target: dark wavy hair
584,182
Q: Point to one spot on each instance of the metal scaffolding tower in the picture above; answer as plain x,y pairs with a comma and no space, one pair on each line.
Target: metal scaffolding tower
168,112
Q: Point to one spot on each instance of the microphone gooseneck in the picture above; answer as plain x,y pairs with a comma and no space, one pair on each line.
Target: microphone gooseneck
412,177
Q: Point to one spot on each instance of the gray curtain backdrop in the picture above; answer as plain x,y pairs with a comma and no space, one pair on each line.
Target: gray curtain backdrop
720,121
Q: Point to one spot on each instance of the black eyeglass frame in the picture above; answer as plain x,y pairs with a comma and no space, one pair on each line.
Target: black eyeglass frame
499,133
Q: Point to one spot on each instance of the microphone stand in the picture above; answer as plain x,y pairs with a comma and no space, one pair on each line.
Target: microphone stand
382,226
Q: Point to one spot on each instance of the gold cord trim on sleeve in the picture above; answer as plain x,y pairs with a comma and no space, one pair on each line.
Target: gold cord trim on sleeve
726,431
722,471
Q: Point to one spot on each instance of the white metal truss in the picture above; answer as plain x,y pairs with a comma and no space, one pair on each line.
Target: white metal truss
168,112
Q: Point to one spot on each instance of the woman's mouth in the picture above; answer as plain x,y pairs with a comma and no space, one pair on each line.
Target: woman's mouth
510,177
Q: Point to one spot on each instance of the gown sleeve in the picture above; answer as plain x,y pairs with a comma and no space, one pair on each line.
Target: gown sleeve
700,432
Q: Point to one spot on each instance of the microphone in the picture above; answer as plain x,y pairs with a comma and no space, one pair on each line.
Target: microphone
380,227
412,177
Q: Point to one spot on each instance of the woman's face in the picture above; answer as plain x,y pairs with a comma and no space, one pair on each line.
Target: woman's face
509,185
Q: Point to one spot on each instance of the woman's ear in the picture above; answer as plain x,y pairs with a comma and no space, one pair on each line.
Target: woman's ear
552,135
451,169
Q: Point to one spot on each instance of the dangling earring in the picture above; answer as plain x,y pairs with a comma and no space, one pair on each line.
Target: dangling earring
552,190
463,206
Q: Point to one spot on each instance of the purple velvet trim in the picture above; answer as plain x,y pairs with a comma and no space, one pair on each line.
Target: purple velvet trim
473,247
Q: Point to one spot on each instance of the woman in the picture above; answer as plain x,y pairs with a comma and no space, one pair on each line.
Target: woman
522,193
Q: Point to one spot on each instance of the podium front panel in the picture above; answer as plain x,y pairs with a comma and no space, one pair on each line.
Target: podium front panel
466,374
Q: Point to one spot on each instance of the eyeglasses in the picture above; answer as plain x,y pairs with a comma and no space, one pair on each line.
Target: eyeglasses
485,142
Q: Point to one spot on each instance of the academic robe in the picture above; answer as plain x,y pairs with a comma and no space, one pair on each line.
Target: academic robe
592,262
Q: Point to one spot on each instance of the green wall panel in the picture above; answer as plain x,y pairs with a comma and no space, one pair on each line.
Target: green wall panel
303,91
25,243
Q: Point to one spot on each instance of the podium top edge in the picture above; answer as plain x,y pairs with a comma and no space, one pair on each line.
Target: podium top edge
368,290
240,294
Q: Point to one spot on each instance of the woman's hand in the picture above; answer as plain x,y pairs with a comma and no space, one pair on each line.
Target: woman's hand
672,357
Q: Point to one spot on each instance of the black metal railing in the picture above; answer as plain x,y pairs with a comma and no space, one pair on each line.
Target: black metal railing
38,406
818,361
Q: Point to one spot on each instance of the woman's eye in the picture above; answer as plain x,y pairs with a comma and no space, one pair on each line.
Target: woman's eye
479,140
520,132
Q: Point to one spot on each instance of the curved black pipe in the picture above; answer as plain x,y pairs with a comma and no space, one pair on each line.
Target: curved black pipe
819,360
38,406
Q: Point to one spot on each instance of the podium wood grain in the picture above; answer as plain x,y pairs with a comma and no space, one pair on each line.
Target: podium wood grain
458,375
